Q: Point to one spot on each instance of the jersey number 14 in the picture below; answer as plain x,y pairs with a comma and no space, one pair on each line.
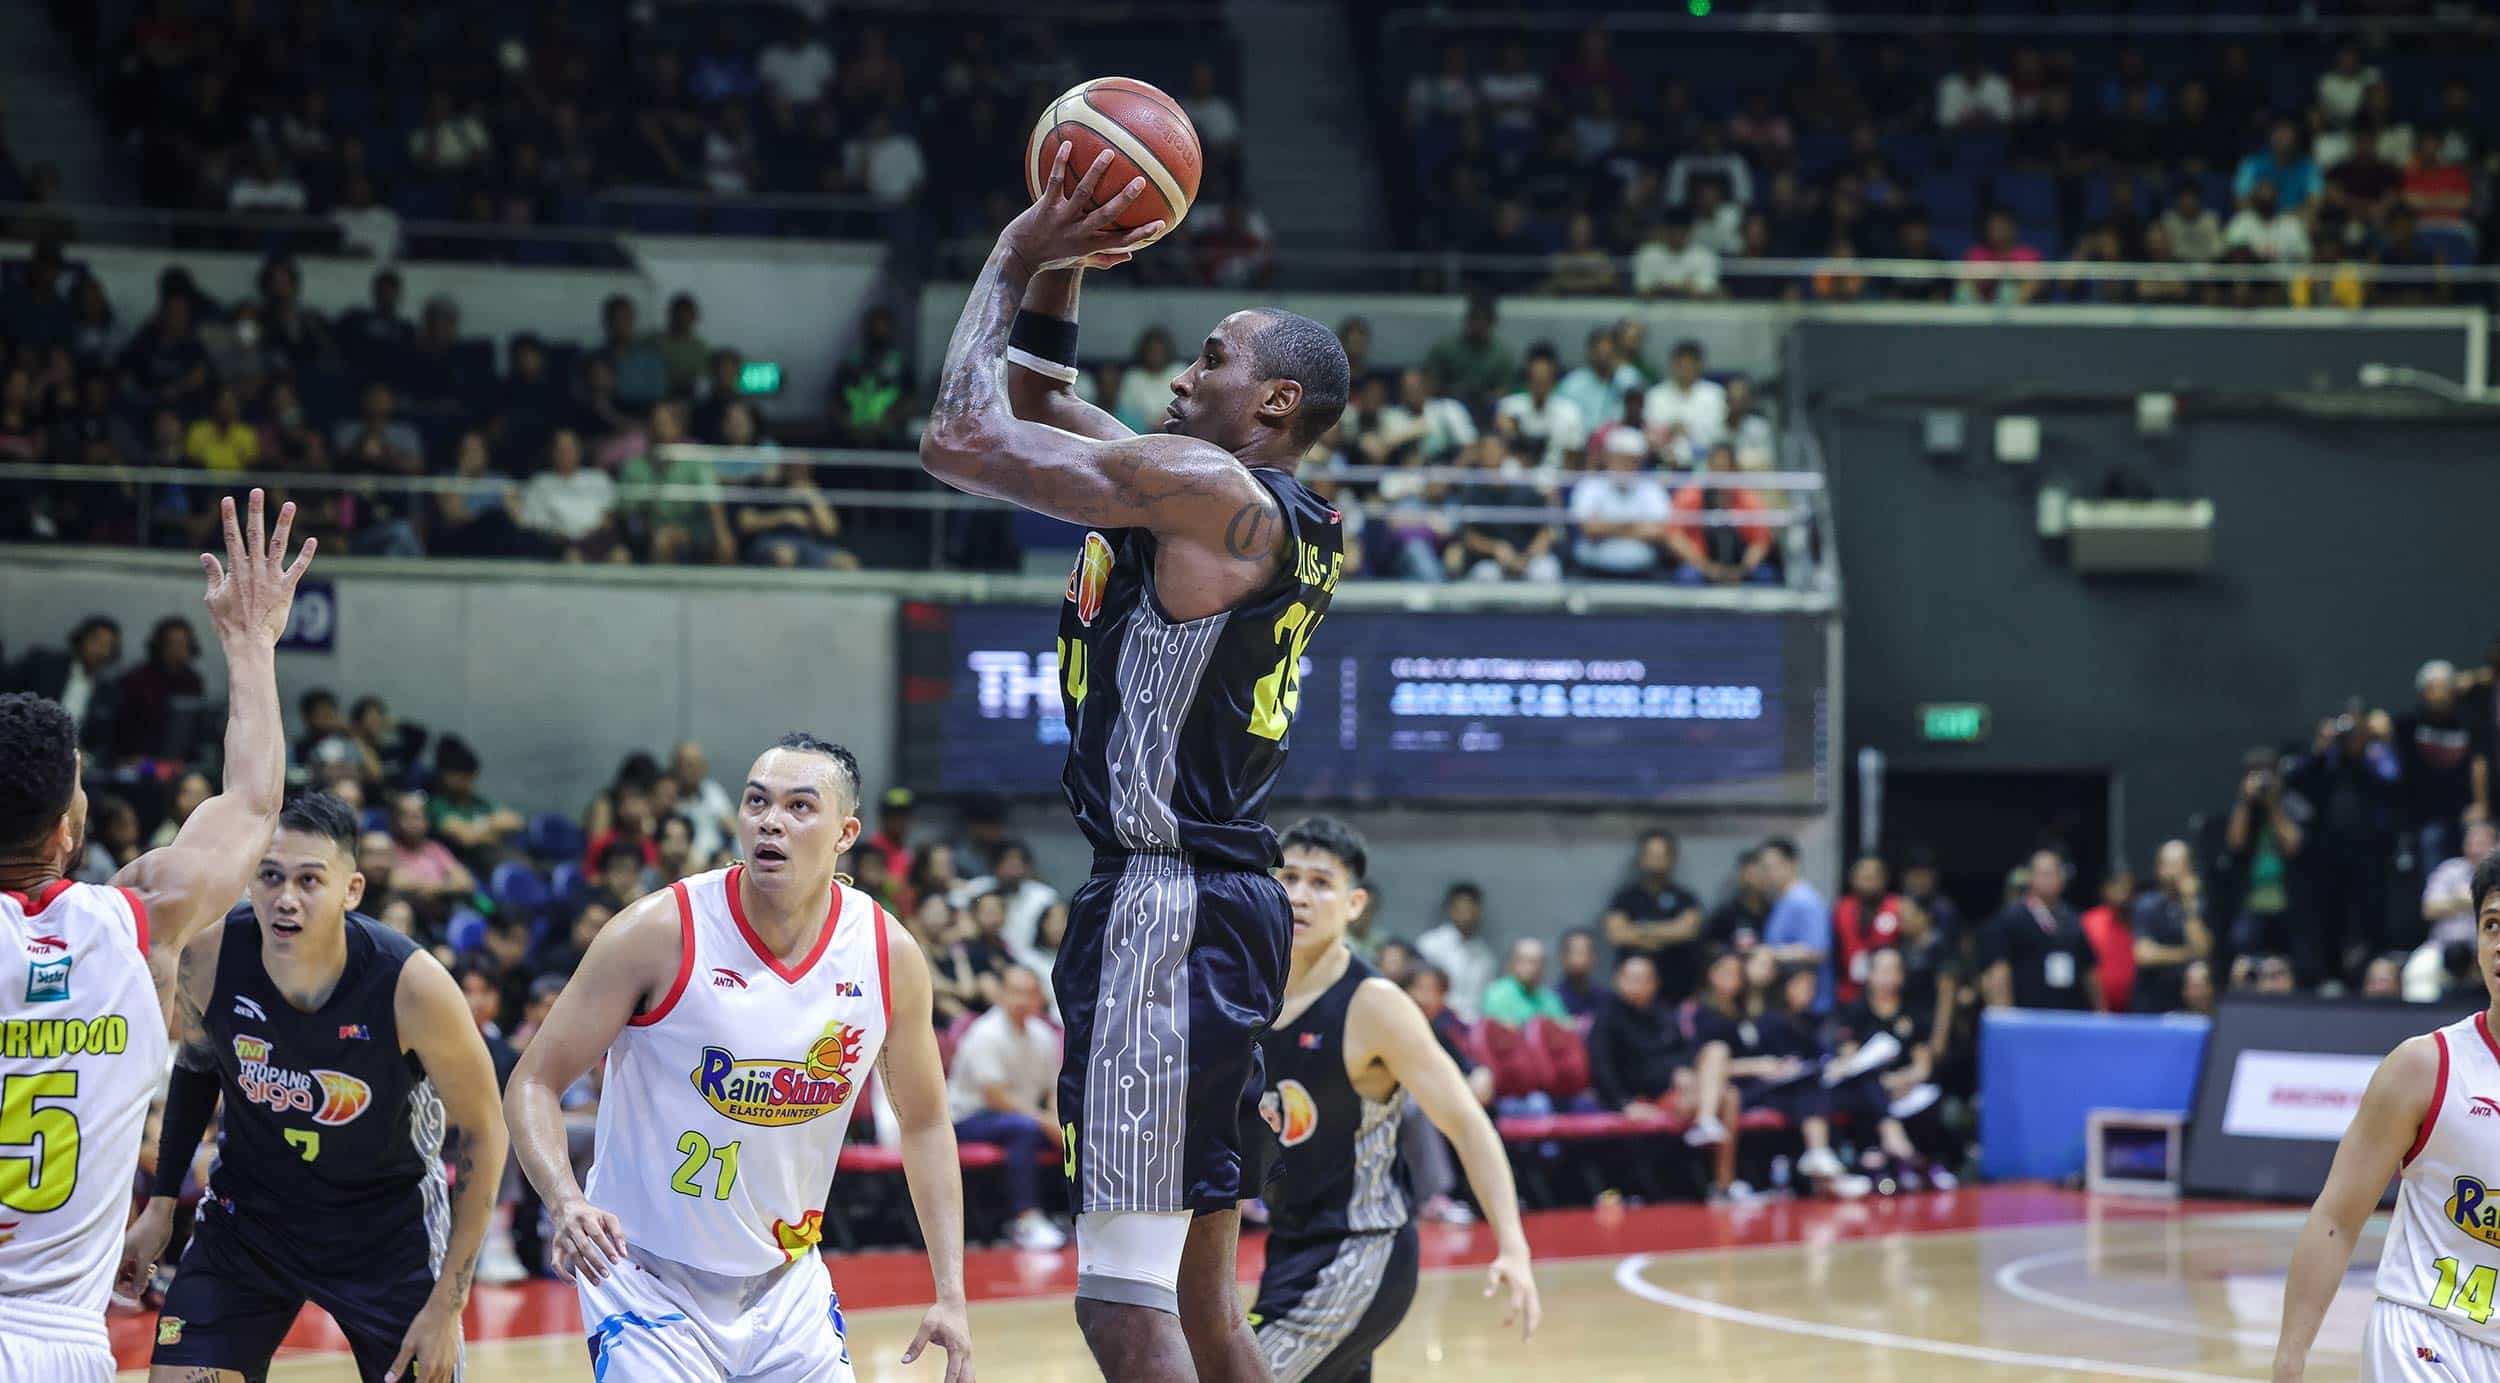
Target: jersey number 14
2472,1296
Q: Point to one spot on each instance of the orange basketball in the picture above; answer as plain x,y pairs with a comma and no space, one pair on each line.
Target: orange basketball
1148,133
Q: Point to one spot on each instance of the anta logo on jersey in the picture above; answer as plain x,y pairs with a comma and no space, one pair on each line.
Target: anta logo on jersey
2481,1107
247,1008
2472,1209
1092,574
332,1098
45,945
775,1093
725,978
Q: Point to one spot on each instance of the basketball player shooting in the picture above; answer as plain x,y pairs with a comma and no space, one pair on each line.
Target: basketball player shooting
82,1041
2437,1273
1206,570
739,1012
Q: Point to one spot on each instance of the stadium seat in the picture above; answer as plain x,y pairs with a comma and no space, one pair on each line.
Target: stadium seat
373,819
2032,197
554,836
1566,1056
466,931
568,886
518,891
1952,202
2449,244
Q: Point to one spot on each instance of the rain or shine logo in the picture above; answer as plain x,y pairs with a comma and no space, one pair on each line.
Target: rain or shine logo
2473,1209
774,1092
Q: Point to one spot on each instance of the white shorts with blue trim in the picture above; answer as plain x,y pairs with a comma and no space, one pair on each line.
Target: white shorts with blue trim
654,1321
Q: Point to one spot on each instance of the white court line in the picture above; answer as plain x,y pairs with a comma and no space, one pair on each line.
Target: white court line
2009,1280
1628,1277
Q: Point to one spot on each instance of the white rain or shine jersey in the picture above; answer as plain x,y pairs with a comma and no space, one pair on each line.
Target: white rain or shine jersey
2443,1244
726,1103
82,1052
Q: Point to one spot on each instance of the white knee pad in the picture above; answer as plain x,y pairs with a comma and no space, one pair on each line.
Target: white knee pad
1131,1257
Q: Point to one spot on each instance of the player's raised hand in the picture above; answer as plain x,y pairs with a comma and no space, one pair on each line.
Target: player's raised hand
589,1241
1064,227
946,1327
250,593
1510,1273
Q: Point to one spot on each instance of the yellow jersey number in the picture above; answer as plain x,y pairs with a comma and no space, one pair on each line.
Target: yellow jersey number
41,1177
2472,1297
1278,694
699,1150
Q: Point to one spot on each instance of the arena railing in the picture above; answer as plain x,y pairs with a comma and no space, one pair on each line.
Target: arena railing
145,486
1698,16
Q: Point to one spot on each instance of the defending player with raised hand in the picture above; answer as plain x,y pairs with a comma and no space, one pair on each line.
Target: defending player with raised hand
739,1012
82,1041
1346,1050
2438,1277
351,1072
1207,569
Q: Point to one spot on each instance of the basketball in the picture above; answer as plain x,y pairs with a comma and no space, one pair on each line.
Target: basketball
1147,132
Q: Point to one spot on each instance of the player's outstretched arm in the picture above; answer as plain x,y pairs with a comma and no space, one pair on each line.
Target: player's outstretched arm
632,965
437,1029
1384,1024
2401,1094
194,880
1038,380
191,1098
915,1083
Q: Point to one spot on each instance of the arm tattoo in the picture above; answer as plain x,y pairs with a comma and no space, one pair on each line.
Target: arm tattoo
1247,537
460,1156
968,382
196,1053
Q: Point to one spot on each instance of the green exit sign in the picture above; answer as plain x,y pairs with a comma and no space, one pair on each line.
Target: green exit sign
760,377
1953,722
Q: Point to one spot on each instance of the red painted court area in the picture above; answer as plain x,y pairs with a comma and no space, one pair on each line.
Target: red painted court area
867,1281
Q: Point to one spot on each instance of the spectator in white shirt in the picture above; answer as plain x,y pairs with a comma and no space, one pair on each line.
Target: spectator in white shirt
1449,94
1672,265
1718,223
1512,90
573,506
449,141
2266,231
267,188
366,227
1620,514
885,162
1456,949
1598,386
1422,427
797,66
1218,124
1030,903
2341,87
1709,158
2448,910
1746,429
1003,1090
1540,422
1684,413
1974,98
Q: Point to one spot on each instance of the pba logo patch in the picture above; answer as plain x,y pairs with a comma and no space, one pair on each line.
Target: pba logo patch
47,981
2471,1208
1297,1113
1092,575
777,1092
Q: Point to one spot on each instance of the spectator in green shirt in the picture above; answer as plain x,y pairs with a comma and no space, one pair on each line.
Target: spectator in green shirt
1472,364
873,391
681,347
1522,993
460,816
675,530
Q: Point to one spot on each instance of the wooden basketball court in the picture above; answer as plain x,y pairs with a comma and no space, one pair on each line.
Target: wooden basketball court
1985,1283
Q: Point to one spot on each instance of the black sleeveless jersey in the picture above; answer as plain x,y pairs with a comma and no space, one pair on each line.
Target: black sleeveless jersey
328,1126
1176,729
1339,1171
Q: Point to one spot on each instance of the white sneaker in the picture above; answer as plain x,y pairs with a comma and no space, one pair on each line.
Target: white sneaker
1942,1180
1915,1101
1848,1187
1741,1193
497,1264
1874,1054
1820,1164
1035,1233
1706,1133
1447,1210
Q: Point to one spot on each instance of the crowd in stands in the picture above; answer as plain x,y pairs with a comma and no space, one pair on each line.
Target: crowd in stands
555,445
1677,151
393,122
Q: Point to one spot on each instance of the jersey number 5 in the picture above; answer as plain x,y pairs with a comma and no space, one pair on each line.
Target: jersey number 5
1278,693
41,1177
